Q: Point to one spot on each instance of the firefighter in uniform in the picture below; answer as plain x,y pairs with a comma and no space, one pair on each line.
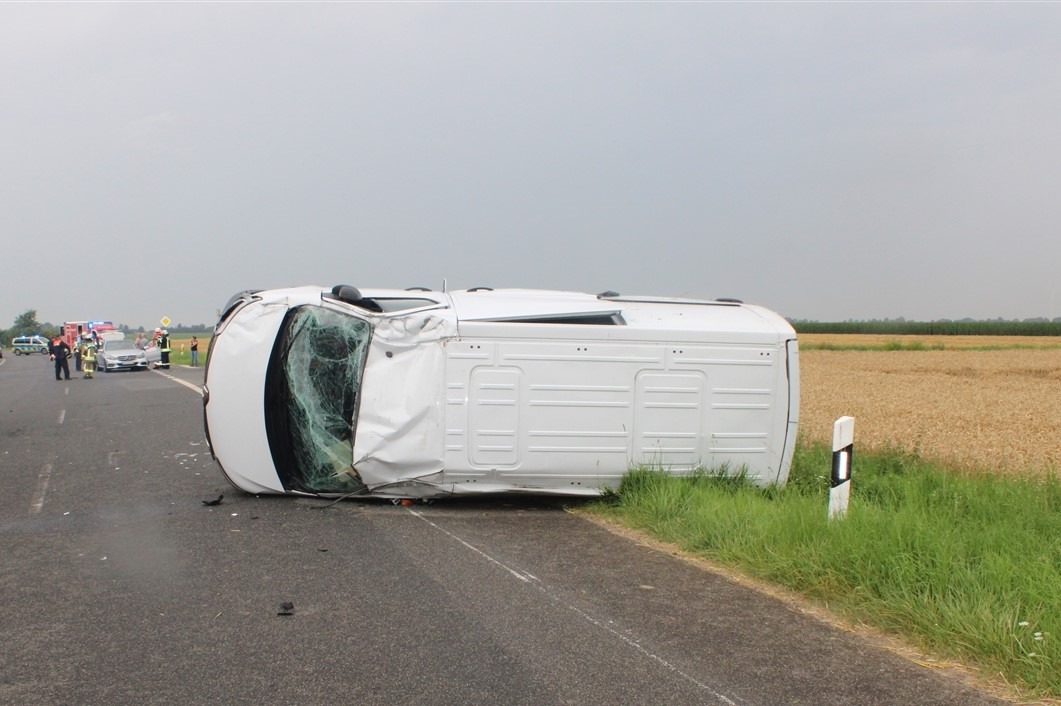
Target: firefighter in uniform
162,340
88,355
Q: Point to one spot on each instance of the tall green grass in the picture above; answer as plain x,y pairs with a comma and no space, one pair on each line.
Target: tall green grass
964,566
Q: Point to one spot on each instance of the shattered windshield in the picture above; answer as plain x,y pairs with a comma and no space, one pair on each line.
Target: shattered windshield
312,390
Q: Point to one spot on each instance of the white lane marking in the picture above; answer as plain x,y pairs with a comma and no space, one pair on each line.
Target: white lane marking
190,386
42,488
554,596
62,416
522,576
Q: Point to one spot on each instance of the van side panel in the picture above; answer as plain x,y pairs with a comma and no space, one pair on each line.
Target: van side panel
577,414
742,431
579,408
494,406
669,419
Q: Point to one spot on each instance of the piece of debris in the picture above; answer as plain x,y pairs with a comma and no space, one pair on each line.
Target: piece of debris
286,608
214,502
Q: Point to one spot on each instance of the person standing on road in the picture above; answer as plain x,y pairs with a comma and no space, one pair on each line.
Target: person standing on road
162,341
195,352
77,352
88,356
59,351
139,342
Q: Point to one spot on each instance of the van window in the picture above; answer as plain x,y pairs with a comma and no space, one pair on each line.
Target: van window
571,320
312,388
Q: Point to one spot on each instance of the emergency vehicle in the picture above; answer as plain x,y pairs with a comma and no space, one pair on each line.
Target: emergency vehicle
26,345
73,329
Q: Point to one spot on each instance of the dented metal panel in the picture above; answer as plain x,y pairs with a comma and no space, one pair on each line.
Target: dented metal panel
400,436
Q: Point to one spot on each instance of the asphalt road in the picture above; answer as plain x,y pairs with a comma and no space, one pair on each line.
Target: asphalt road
119,586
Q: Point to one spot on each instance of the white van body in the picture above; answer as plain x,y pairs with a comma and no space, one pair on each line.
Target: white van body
412,394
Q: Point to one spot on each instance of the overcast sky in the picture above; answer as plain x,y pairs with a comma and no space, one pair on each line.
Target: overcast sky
830,161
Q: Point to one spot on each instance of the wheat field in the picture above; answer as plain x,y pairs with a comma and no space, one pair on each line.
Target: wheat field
979,403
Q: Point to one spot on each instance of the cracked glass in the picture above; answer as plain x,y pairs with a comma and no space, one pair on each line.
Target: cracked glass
311,402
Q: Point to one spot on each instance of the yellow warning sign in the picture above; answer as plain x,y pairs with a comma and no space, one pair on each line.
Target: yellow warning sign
164,321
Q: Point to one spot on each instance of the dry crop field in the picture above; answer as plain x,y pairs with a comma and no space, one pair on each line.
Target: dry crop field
990,402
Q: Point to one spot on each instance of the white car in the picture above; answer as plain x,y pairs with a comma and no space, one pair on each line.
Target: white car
415,394
119,354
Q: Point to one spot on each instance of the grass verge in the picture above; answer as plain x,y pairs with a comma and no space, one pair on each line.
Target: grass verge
180,349
964,566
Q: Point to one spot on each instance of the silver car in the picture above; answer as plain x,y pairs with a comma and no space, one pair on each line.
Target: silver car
120,355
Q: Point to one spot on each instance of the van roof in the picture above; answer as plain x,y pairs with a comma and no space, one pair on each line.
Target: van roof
636,311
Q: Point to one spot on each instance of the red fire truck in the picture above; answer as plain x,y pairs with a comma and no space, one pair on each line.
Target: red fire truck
73,329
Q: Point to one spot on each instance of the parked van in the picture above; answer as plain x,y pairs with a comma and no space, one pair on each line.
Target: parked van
413,394
26,345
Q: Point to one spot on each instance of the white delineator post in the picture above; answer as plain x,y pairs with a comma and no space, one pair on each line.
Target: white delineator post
840,481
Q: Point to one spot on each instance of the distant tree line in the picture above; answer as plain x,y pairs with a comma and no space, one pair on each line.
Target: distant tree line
26,324
963,327
178,329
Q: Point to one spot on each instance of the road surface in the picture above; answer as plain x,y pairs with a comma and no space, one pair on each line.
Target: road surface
120,586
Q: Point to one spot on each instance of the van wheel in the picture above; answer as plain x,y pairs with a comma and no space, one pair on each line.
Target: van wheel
18,352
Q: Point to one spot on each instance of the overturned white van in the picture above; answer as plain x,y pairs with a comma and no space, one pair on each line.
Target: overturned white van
416,393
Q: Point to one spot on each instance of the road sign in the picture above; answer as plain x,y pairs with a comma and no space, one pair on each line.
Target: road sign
164,321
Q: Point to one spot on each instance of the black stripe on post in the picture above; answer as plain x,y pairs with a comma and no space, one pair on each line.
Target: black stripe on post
842,462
